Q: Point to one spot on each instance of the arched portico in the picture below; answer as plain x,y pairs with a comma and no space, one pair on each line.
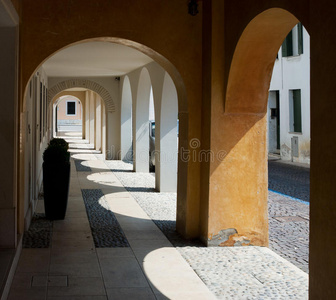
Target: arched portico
183,64
86,84
93,116
160,87
79,107
142,90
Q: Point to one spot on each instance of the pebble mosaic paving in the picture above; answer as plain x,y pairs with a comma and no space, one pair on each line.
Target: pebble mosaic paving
105,228
39,233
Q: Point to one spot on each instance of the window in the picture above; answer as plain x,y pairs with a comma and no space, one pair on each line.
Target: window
293,43
71,108
295,119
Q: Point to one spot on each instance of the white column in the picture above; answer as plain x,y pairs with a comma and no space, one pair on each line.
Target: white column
87,115
126,122
104,133
83,109
54,125
141,136
92,119
166,139
98,123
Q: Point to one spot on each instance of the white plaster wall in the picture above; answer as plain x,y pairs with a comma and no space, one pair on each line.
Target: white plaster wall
34,146
294,73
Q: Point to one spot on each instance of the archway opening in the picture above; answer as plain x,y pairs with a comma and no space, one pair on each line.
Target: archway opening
238,204
60,81
151,132
68,117
288,143
239,209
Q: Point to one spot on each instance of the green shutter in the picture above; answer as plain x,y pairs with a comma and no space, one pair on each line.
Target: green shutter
287,45
297,110
300,38
284,48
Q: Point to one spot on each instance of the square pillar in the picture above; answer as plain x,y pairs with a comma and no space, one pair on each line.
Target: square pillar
98,124
92,119
8,139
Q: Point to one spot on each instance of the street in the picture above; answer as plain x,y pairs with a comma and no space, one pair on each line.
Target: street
289,179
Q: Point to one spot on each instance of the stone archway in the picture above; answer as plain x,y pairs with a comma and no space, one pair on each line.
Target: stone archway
83,83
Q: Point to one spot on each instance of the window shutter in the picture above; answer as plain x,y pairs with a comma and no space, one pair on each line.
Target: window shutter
287,46
284,48
300,38
297,110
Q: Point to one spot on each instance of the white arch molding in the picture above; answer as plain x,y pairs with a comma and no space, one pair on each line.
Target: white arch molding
83,83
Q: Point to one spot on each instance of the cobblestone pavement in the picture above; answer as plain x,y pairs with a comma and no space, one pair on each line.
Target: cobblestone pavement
239,272
288,179
289,229
288,218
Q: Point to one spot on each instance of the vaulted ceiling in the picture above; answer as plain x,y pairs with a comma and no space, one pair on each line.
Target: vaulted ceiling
95,59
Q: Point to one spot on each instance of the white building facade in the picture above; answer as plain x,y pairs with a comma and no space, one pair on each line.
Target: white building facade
288,112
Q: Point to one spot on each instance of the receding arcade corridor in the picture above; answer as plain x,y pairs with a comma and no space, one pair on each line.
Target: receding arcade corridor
106,247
